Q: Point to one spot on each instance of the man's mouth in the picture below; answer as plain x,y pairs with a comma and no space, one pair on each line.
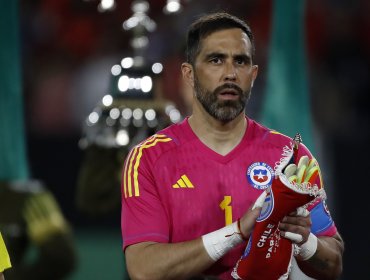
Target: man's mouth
228,94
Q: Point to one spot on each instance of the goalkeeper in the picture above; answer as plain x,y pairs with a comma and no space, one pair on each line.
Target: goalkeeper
187,190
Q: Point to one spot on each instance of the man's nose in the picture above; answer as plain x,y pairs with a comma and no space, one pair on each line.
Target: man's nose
230,73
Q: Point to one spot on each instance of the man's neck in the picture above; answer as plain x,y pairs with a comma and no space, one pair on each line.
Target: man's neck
218,136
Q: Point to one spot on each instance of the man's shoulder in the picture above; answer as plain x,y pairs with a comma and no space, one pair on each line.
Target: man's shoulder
161,142
156,144
273,138
268,135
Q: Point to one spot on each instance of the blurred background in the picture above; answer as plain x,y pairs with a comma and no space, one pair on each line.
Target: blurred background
72,51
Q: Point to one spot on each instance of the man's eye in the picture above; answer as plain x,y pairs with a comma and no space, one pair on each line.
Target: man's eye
216,60
240,61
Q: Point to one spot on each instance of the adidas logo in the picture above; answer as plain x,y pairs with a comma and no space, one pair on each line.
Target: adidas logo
183,182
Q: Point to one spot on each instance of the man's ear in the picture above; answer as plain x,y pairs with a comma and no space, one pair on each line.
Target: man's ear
188,73
254,73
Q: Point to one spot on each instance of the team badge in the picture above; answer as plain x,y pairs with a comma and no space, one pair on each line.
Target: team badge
260,175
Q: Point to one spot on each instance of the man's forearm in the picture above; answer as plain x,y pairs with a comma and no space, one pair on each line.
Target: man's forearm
326,263
149,260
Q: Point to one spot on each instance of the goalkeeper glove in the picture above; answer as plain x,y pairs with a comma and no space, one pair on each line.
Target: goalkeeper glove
306,171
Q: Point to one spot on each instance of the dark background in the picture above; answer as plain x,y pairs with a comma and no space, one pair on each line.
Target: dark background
68,48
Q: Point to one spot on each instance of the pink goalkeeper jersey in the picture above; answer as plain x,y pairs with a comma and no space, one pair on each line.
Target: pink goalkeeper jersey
174,188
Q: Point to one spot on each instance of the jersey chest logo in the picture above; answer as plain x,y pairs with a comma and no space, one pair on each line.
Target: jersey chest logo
260,175
183,183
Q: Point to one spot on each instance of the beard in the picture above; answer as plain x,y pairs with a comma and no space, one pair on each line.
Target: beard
222,110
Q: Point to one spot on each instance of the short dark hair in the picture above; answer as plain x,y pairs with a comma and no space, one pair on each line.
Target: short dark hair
208,24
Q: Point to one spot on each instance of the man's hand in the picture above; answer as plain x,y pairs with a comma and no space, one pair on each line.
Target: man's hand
249,219
43,217
296,226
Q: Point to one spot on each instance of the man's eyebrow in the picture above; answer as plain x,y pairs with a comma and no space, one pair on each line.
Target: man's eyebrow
244,57
215,54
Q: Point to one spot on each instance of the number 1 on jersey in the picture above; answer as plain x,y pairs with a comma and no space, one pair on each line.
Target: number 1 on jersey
225,205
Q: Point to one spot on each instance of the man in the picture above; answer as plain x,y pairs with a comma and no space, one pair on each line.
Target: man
185,187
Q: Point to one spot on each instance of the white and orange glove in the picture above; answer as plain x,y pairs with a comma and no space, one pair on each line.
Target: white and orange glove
267,254
307,170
